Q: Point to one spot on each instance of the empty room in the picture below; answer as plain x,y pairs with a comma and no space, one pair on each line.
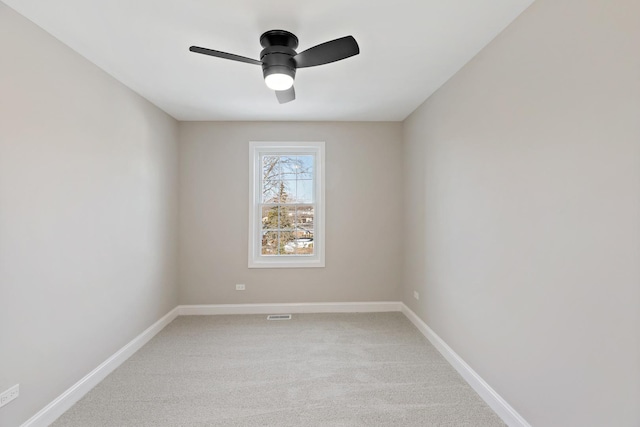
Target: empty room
301,213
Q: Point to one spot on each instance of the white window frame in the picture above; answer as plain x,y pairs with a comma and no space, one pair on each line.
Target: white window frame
256,259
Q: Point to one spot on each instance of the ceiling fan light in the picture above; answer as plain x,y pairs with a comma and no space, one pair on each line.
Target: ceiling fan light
278,81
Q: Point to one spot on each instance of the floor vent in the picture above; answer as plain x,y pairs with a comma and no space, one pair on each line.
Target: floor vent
279,317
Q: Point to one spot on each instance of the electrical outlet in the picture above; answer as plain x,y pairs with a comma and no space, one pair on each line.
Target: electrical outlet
416,295
9,395
239,287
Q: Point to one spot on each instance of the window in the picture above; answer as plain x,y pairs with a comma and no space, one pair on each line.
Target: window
286,211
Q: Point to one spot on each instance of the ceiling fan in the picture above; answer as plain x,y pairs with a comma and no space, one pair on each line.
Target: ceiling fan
280,61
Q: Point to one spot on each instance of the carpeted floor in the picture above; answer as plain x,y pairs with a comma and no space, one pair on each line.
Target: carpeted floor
314,370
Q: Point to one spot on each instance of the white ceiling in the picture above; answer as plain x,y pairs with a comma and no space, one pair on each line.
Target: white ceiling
408,48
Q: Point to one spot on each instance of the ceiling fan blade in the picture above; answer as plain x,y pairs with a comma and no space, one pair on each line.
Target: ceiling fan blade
224,55
285,96
324,53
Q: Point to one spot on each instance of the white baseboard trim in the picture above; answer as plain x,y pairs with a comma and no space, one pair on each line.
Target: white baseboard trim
488,394
66,400
285,308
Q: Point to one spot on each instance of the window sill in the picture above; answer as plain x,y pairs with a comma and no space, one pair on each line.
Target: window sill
276,263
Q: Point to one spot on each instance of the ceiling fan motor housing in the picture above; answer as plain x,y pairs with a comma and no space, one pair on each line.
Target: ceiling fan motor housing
279,50
280,60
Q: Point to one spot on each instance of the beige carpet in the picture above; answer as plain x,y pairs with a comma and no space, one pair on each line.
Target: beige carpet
314,370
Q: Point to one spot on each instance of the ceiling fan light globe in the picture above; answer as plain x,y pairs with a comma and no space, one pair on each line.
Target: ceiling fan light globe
278,81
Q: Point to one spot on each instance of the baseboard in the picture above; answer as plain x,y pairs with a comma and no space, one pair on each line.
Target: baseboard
488,394
66,400
314,307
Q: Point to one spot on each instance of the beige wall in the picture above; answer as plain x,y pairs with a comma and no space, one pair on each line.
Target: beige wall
88,216
523,213
363,211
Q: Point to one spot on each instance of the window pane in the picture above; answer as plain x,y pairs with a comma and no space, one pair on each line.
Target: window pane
269,217
270,192
287,217
287,244
270,167
288,166
304,191
304,246
305,167
271,172
287,191
270,243
304,230
304,221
